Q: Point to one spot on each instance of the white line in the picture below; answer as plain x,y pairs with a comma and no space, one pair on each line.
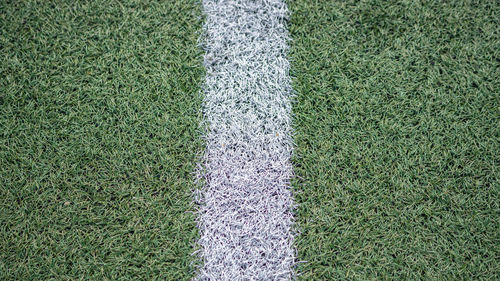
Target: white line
245,206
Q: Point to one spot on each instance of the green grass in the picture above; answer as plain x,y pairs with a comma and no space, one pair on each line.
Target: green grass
396,124
98,133
397,131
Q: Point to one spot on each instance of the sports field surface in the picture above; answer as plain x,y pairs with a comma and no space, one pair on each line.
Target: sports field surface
99,113
395,123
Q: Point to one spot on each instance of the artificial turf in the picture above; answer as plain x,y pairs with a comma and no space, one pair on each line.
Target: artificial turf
99,114
396,125
397,139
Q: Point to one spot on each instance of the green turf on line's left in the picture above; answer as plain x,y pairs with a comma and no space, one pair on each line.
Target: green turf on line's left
98,120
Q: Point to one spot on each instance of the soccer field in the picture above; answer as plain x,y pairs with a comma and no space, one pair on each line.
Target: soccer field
99,118
397,132
395,124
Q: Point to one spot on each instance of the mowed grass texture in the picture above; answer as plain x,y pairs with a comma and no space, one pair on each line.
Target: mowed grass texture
99,113
397,129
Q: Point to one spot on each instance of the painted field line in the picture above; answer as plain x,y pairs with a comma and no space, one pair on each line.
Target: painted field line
245,216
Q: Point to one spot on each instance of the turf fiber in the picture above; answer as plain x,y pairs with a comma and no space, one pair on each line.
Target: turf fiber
245,204
99,114
397,126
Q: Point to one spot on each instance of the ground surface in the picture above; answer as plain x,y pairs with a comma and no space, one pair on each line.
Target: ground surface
397,127
98,116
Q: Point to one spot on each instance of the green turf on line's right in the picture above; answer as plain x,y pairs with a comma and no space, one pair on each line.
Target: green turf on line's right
396,124
99,109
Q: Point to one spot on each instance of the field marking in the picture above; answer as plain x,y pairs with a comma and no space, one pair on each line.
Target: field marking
244,217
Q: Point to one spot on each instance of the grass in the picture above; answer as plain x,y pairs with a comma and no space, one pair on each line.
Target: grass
397,133
396,125
98,132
